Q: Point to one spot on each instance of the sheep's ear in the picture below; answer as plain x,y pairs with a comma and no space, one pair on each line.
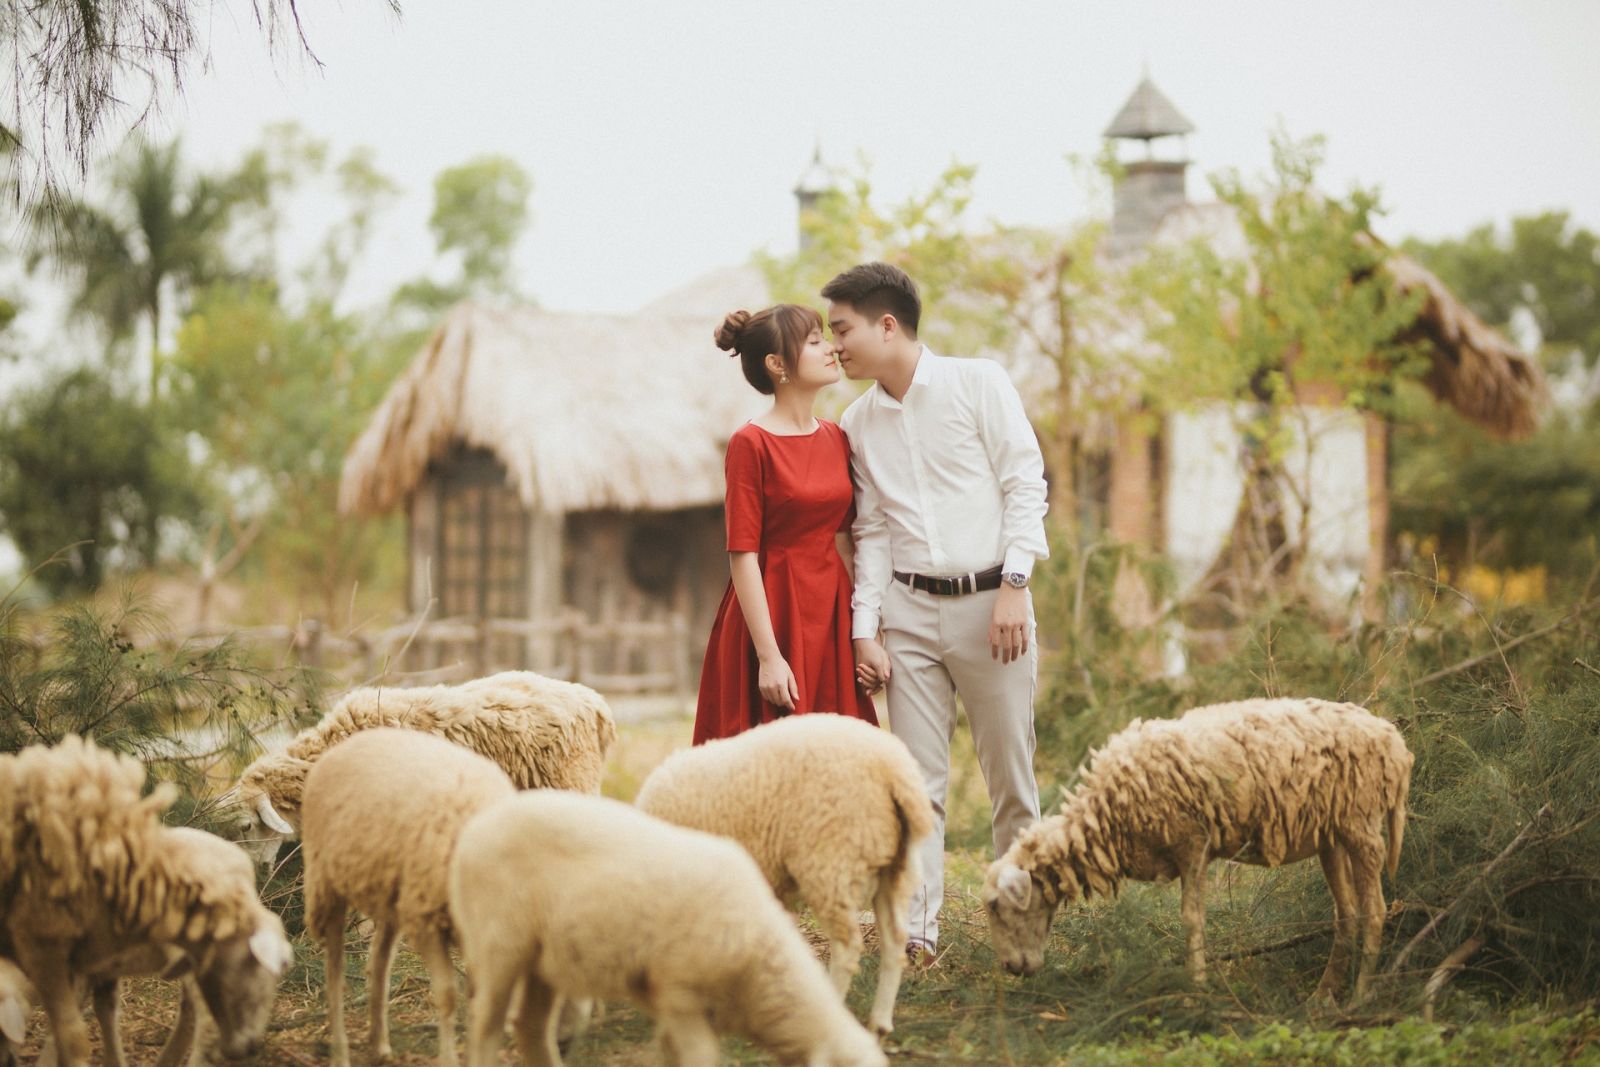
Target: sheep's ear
13,1020
1015,886
270,817
271,949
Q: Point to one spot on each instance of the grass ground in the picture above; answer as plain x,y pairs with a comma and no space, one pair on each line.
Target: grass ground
1113,990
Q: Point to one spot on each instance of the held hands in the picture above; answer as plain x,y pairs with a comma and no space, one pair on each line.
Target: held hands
1008,627
872,665
777,684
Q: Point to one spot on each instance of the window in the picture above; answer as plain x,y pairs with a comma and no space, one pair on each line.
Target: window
483,540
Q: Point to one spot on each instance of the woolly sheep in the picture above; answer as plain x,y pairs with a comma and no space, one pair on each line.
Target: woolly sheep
831,809
92,876
1265,782
541,731
575,896
382,811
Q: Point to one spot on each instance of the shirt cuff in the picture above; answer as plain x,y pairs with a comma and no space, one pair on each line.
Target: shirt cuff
864,624
1017,561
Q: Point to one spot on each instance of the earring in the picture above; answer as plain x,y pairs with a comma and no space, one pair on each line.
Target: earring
784,380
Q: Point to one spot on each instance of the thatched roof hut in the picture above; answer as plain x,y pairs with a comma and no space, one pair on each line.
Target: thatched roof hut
562,475
586,412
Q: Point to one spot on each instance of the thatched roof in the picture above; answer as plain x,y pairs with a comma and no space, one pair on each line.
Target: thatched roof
1148,114
1474,369
585,411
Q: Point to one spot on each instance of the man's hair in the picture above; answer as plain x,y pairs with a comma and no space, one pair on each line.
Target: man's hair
877,288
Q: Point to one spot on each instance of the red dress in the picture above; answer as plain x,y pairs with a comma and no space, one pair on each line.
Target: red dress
787,498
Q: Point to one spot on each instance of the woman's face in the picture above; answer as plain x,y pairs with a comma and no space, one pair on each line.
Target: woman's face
817,365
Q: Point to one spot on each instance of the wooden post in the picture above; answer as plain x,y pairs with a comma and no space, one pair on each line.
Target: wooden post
1376,571
1131,517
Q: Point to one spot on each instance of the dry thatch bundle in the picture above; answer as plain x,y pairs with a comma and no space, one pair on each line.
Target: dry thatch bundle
585,411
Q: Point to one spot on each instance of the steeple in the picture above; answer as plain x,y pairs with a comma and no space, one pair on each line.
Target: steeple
1148,188
814,184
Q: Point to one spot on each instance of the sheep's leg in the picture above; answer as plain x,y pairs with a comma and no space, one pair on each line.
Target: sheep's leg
332,932
1194,916
380,958
1366,863
107,993
839,926
537,1022
491,983
690,1039
52,979
890,914
1336,869
181,1043
442,977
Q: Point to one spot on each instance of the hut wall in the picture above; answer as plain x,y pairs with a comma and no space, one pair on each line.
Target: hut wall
422,573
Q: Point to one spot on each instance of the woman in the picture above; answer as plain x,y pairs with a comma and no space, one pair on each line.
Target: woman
781,642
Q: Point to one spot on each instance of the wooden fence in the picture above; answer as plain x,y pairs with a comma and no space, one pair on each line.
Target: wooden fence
614,657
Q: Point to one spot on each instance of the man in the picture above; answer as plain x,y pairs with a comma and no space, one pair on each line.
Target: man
950,505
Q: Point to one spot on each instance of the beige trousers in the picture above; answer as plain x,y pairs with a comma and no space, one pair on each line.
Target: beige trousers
938,648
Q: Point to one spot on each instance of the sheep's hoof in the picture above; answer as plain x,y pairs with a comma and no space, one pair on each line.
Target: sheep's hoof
882,1028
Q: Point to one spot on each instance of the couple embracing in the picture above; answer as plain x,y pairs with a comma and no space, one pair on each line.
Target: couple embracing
890,551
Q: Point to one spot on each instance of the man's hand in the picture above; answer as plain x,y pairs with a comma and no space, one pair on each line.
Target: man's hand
872,665
777,684
1008,628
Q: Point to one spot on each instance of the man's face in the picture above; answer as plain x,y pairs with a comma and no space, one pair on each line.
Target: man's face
859,343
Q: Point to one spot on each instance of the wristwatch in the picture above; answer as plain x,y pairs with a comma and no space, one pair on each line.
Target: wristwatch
1015,579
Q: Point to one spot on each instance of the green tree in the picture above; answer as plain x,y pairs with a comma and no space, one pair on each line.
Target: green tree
1306,312
480,212
1543,264
158,237
85,466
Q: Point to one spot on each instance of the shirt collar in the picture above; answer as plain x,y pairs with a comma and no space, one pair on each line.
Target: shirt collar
923,376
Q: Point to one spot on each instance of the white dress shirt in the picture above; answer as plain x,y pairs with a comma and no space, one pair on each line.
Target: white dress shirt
948,481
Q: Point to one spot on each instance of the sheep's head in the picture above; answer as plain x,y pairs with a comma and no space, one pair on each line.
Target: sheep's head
265,807
238,978
1020,906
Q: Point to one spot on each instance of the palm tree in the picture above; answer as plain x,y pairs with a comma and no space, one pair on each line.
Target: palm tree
160,230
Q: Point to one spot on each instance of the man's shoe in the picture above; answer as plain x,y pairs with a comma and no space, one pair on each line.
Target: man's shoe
920,956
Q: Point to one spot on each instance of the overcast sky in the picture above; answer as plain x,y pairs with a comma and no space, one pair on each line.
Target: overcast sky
664,138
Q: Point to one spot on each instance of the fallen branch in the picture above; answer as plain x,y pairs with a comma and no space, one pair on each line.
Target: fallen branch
1500,650
1276,946
1448,969
1592,670
1433,924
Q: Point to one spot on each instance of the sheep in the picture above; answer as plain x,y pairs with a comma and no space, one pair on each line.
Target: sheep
16,1004
1265,782
543,732
562,896
91,876
831,809
382,811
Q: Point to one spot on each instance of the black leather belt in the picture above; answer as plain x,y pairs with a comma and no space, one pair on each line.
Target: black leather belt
955,585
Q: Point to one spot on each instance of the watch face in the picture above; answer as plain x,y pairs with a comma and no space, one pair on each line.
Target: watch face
1016,581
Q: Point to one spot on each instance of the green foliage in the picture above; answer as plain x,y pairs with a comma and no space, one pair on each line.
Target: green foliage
101,674
1543,264
480,210
1309,306
160,228
85,466
1533,503
278,397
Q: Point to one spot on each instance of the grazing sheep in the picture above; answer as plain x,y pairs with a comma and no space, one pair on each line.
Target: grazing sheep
1266,782
571,896
382,811
541,731
831,809
91,876
16,1004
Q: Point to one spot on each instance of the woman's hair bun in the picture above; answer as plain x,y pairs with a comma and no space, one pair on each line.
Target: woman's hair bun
727,335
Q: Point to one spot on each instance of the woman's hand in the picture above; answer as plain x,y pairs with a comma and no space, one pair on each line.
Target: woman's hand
872,665
777,684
